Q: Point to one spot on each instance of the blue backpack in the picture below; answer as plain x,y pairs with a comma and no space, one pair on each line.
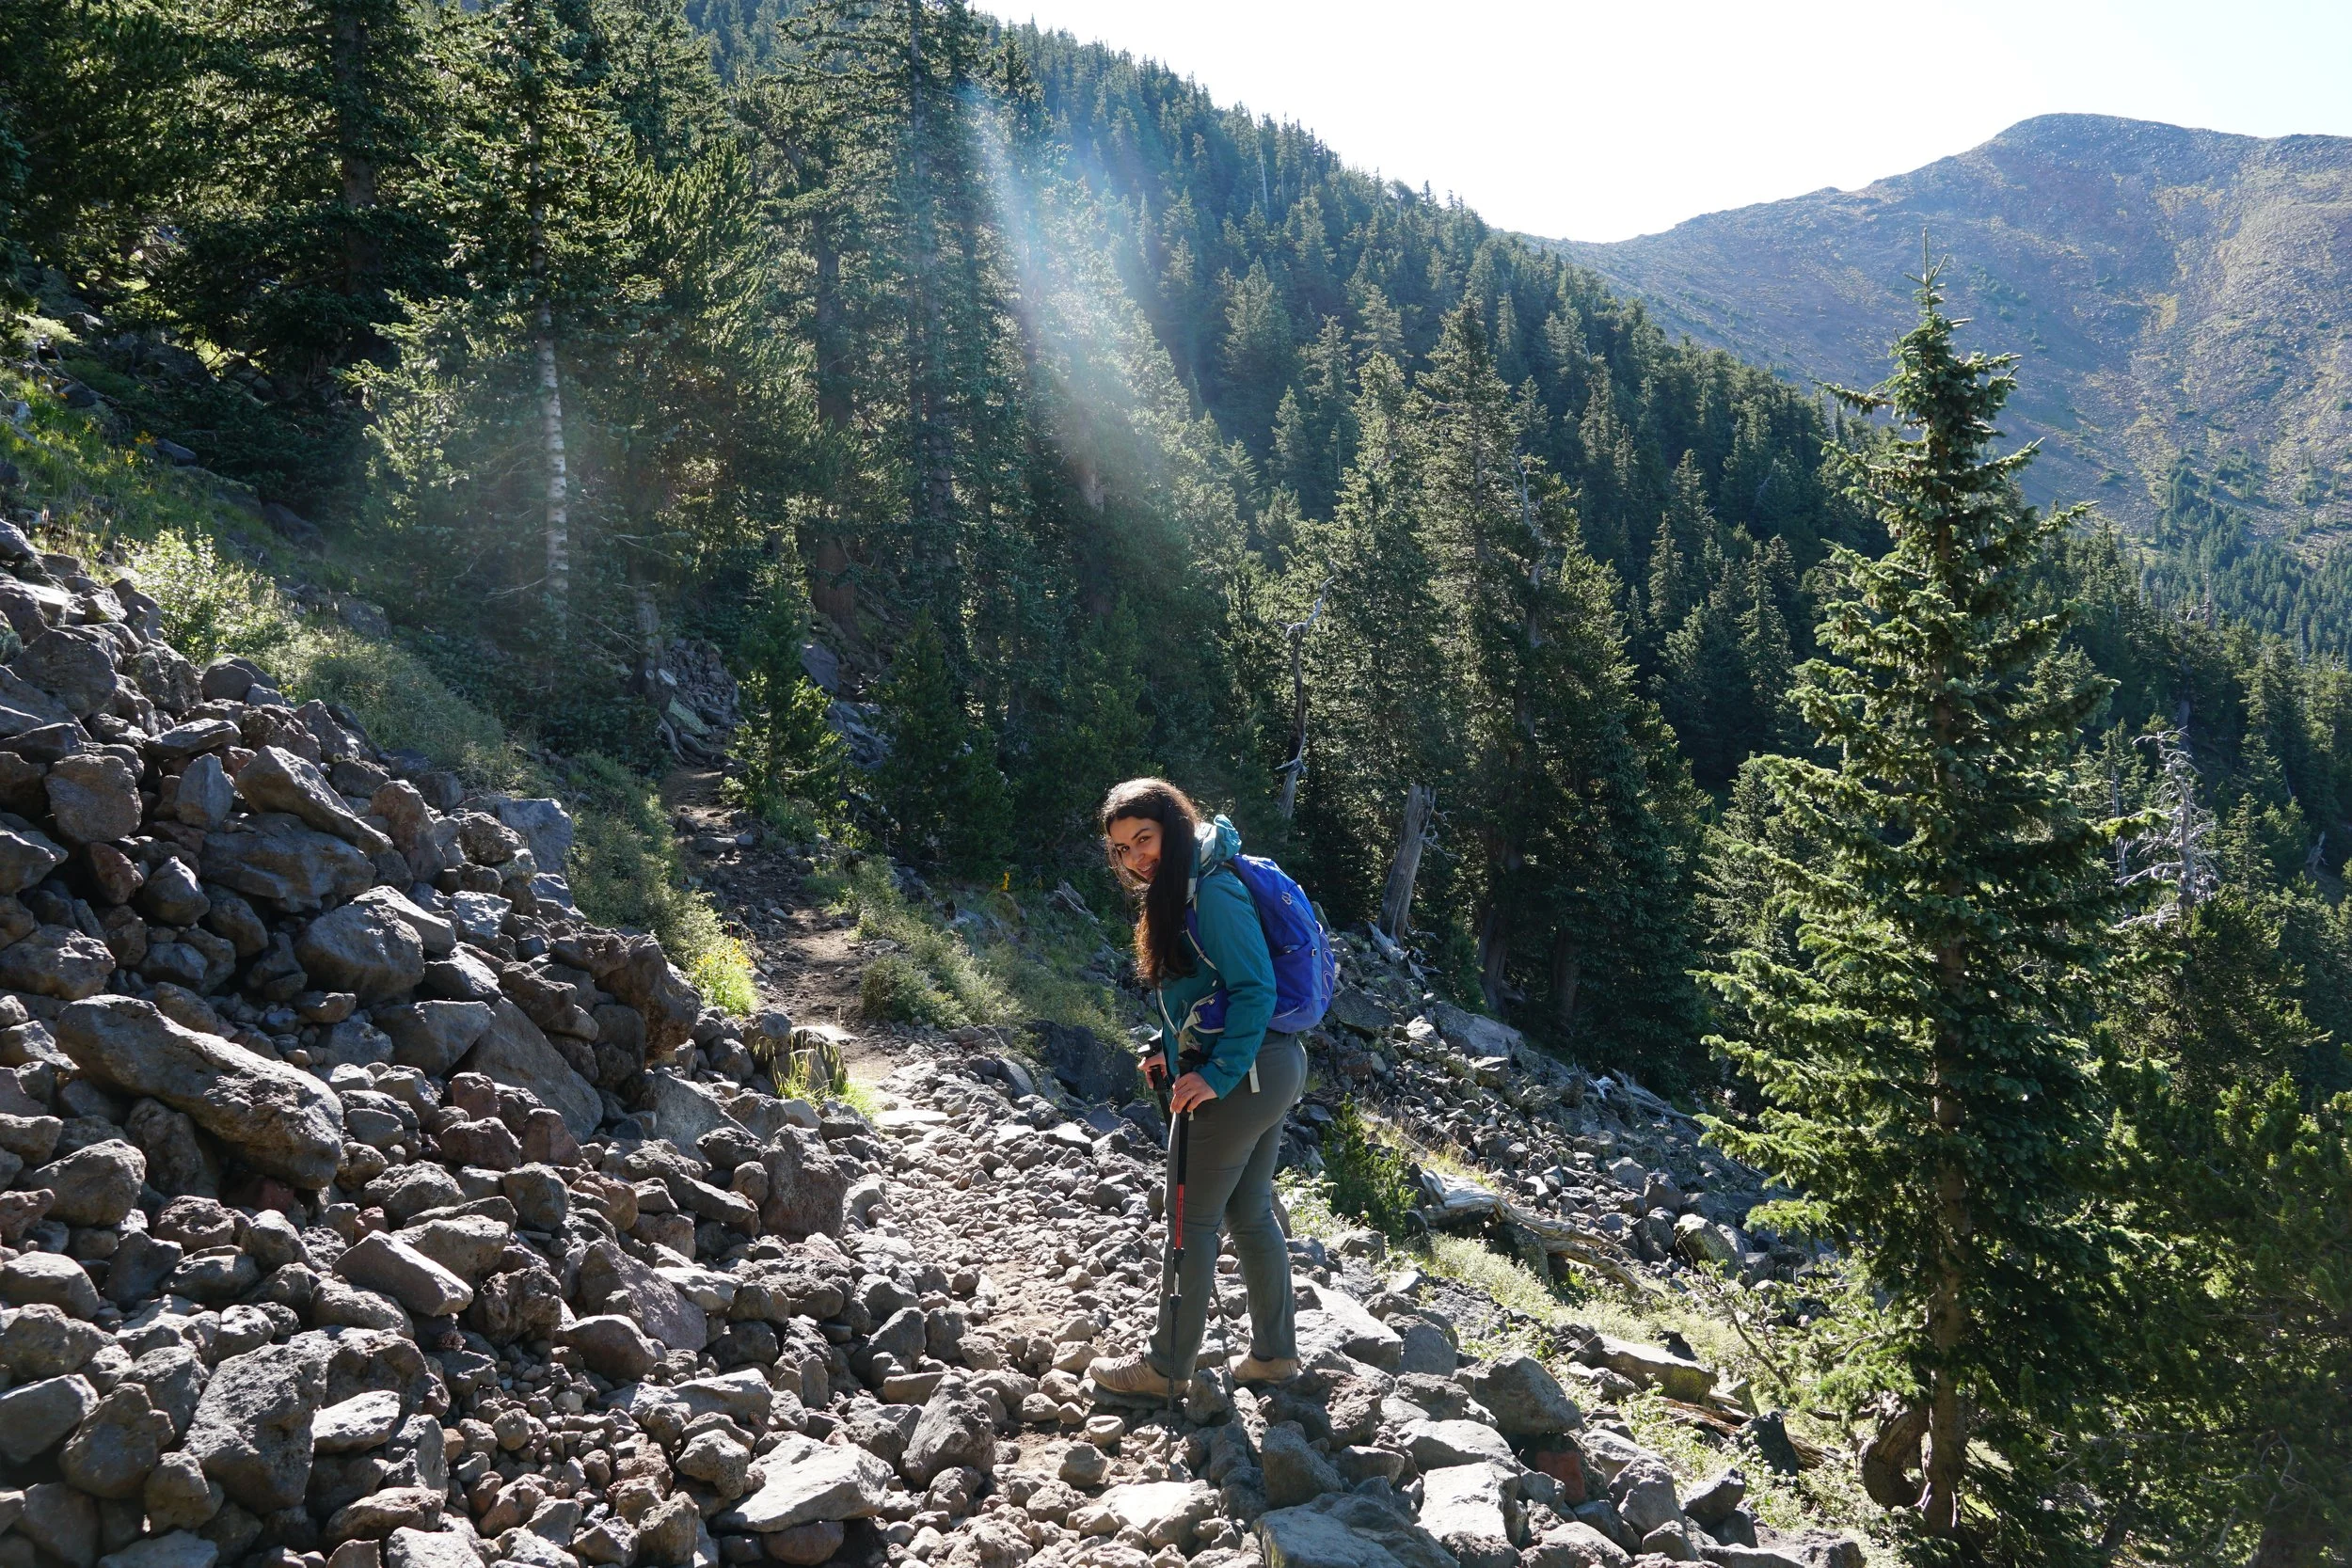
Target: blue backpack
1305,971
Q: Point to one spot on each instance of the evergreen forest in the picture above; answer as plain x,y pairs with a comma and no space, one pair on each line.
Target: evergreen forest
1758,744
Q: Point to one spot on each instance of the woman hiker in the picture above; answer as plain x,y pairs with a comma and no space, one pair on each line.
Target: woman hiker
1235,1083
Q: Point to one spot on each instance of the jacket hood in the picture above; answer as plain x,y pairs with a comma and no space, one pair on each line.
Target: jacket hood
1215,842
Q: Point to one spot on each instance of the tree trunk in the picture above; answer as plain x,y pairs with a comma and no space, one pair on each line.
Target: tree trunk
1494,952
833,382
1296,768
362,256
1396,898
934,447
1567,973
829,586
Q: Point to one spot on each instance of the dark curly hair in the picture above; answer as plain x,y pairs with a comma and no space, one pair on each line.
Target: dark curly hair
1161,952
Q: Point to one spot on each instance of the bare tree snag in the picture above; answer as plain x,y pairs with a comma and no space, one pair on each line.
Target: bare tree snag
1296,768
1396,897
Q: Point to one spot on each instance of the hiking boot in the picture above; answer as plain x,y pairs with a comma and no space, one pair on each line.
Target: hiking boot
1132,1375
1252,1368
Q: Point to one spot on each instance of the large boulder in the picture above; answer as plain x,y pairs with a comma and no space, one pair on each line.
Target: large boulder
645,979
1462,1505
1347,1530
93,1185
513,1052
94,798
251,1429
802,1481
362,949
432,1036
275,856
1527,1401
276,780
73,664
805,1186
279,1119
57,961
27,854
954,1429
1087,1065
387,1264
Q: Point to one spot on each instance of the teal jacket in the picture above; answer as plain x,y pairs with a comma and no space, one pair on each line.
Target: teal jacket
1231,952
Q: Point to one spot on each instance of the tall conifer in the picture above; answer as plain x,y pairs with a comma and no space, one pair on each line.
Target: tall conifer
1922,1062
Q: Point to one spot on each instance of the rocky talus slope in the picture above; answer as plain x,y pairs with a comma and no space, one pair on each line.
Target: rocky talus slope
366,1206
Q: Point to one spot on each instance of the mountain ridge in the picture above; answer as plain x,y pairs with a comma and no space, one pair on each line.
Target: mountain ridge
2174,294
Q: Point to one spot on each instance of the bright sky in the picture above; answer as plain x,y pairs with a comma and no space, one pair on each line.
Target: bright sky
1591,120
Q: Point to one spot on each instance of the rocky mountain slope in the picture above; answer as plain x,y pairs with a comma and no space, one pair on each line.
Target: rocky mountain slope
2175,295
366,1206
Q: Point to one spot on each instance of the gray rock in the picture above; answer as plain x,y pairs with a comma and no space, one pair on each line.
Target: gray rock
174,1377
1709,1504
1575,1545
405,1191
361,948
206,796
94,798
805,1186
1425,1350
62,1522
179,1495
685,1111
1436,1445
73,664
276,780
438,937
1087,1065
272,856
432,1036
382,1262
416,1548
36,1417
1347,1530
611,1280
1651,1366
26,855
360,1422
117,1445
189,740
802,1481
172,895
1644,1492
466,1244
252,1427
58,962
1294,1473
1339,1321
280,1119
42,1340
540,1198
97,1185
1462,1506
44,1276
178,1549
1527,1401
954,1429
611,1346
513,1052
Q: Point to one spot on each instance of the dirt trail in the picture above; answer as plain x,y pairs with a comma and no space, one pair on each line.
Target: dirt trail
805,960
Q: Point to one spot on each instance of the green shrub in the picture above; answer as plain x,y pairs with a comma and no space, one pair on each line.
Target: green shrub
723,973
897,989
1366,1178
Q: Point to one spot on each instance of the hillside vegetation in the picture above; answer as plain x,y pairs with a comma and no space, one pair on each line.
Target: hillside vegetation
1007,416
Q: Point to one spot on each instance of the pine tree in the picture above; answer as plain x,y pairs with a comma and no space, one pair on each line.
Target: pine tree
1377,663
316,218
1923,1066
940,783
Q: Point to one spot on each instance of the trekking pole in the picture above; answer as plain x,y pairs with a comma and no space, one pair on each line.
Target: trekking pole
1179,1148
